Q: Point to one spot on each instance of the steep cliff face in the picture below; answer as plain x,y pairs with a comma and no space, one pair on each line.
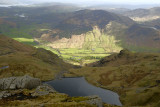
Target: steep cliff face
76,41
98,39
136,38
90,40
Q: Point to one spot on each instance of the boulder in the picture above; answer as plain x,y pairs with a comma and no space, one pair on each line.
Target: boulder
43,90
4,94
24,82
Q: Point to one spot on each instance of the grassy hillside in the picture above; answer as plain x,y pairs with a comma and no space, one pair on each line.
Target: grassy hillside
17,59
23,59
112,32
132,75
142,37
82,49
138,38
82,21
154,23
23,98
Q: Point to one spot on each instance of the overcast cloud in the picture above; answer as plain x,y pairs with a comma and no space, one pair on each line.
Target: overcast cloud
84,1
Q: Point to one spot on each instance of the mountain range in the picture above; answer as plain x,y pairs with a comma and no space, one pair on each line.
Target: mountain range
70,21
112,50
143,14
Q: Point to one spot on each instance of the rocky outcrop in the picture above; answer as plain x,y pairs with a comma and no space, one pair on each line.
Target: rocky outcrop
76,41
93,39
13,83
4,94
94,100
9,93
21,93
43,90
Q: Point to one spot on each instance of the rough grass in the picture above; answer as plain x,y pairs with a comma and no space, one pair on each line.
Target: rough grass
131,75
23,59
51,100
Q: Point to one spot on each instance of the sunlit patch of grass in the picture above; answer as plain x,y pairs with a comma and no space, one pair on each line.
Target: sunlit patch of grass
44,30
77,56
24,40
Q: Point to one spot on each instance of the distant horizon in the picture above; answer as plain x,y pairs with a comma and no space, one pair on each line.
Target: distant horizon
116,3
86,2
134,2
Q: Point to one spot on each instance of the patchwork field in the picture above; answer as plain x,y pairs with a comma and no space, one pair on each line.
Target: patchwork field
78,56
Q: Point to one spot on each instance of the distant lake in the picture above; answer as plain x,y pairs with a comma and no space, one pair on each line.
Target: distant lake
80,87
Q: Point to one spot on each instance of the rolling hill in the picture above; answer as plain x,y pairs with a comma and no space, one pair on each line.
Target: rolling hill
132,75
154,23
147,39
143,15
92,34
84,20
99,33
78,36
22,59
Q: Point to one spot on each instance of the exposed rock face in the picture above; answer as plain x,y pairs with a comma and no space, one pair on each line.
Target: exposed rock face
43,90
4,94
94,100
19,83
96,38
39,91
76,41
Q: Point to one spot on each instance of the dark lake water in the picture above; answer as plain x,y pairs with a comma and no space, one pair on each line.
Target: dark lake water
80,87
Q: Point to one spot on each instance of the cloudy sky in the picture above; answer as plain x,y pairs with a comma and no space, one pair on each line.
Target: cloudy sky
105,1
87,1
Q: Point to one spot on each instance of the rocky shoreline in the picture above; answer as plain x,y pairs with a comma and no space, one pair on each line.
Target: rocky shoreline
25,88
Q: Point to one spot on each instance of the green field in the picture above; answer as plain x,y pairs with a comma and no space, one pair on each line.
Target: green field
93,49
24,33
78,56
96,46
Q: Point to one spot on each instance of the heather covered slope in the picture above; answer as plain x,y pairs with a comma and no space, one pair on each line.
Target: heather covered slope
23,59
142,39
17,59
142,15
77,35
132,75
84,20
86,23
